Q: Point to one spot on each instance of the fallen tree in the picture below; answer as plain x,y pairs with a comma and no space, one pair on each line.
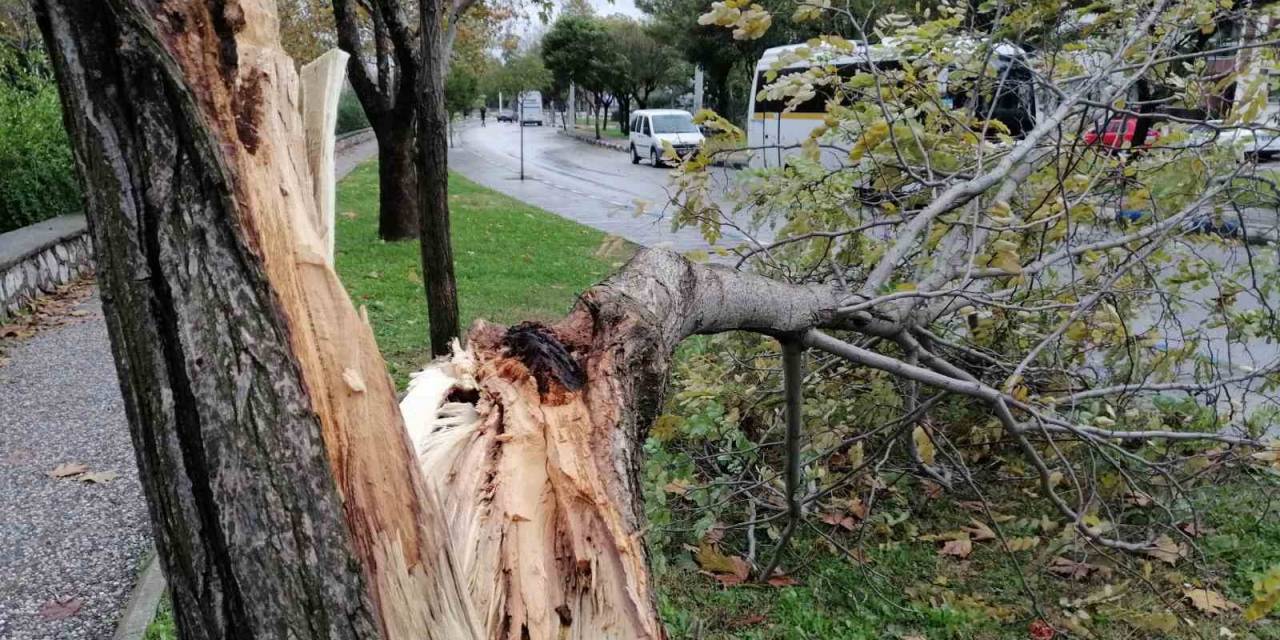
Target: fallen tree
291,497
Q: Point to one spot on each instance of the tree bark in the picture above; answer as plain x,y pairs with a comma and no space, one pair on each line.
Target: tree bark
397,183
280,482
390,102
433,184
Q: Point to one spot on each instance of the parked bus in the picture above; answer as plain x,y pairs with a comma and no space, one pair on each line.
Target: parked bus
773,133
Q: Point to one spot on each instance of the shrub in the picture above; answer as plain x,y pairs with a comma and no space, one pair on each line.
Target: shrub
351,115
37,179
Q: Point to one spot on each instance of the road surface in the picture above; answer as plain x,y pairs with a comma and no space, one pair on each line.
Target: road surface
593,185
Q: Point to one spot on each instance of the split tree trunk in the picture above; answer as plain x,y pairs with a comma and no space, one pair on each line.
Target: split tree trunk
289,498
283,494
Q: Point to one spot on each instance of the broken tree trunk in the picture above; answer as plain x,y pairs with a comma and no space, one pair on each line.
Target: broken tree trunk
280,483
289,498
321,90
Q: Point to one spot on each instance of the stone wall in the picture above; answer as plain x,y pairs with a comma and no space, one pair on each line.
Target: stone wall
39,258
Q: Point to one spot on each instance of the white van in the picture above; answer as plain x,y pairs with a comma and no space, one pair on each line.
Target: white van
530,108
650,128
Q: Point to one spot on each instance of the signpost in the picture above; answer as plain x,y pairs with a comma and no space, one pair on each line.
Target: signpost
520,123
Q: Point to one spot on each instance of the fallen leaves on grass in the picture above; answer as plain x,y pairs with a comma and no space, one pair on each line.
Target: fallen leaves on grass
1074,570
1209,602
978,531
1167,550
961,547
727,570
60,608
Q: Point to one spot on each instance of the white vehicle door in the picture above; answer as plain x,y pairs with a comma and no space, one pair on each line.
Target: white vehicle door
646,135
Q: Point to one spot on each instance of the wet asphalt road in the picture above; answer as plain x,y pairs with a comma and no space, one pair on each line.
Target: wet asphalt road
596,186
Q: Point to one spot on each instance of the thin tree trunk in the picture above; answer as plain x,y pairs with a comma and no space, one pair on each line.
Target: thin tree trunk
397,183
433,184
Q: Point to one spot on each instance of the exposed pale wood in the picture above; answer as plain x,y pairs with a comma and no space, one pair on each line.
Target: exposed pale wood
322,81
243,362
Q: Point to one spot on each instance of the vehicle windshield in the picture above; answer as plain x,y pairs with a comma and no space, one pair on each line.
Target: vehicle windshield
674,123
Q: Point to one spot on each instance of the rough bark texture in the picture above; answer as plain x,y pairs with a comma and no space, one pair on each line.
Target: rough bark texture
397,183
275,463
391,104
433,182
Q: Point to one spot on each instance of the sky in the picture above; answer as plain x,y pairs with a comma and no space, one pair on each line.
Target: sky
533,26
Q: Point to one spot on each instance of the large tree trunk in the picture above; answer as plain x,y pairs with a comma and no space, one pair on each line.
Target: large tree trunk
288,496
280,482
397,183
433,183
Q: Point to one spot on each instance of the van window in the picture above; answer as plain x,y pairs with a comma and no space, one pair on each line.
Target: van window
674,123
647,131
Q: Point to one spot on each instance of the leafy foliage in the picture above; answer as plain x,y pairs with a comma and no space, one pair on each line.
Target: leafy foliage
1042,337
35,154
351,116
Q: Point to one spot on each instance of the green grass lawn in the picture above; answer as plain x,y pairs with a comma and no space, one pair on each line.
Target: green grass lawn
613,132
906,589
514,262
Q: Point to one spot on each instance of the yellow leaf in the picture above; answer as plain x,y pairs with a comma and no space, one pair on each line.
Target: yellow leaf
924,445
1007,261
1024,544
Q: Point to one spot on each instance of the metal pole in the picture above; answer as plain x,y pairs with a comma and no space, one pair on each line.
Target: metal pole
521,125
697,89
573,106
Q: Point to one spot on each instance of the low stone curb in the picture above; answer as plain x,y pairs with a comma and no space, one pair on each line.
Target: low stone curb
143,602
38,258
608,144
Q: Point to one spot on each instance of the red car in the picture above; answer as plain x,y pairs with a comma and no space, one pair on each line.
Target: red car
1119,134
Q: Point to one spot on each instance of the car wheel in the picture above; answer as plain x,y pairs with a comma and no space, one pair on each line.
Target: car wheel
653,157
635,157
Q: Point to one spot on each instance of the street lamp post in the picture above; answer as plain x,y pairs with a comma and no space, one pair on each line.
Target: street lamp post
520,123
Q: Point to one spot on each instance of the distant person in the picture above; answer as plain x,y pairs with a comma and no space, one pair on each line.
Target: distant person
483,110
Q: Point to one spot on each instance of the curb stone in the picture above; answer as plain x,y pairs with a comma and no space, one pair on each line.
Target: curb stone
736,163
608,144
142,602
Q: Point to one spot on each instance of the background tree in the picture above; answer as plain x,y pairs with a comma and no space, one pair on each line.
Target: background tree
306,28
576,49
382,38
639,65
